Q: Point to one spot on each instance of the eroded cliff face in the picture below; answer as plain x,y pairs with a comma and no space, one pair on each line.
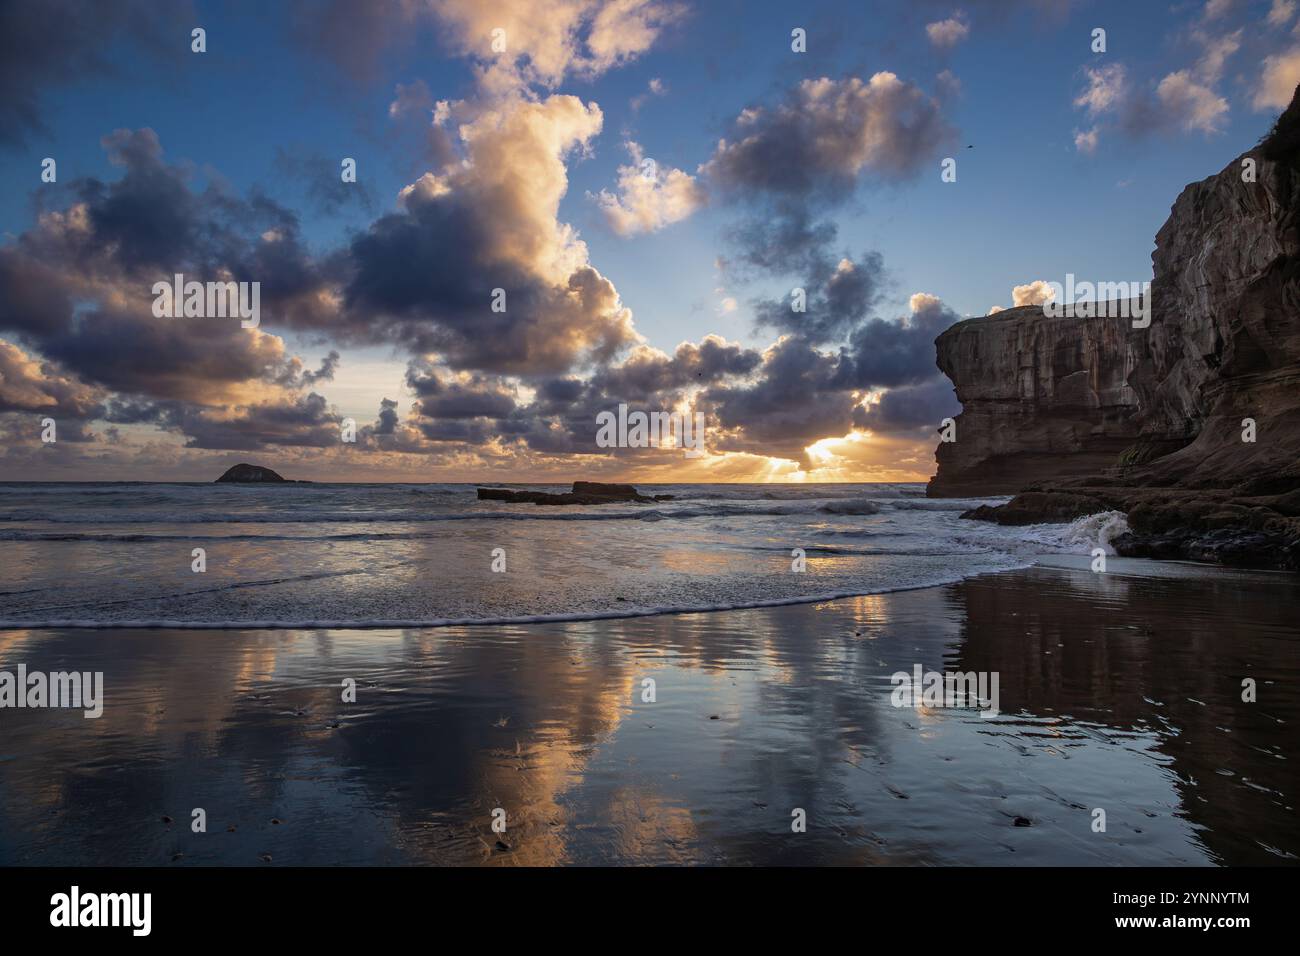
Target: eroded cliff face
1047,399
1225,331
1042,398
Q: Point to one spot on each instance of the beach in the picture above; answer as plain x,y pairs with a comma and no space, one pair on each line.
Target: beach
1119,691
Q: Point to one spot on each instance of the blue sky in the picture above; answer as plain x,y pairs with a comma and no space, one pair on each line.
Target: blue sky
266,110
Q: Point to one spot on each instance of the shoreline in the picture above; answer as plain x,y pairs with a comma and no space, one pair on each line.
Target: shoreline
1117,566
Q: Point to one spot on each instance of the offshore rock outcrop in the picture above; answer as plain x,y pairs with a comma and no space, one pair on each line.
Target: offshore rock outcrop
1092,414
583,493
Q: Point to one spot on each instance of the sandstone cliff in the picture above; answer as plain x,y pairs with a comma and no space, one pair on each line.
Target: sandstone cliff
1092,414
1047,398
1042,398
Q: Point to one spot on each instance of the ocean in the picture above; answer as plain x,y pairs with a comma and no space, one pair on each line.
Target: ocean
349,682
387,555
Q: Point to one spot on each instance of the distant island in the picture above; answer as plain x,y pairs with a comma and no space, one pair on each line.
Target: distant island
244,473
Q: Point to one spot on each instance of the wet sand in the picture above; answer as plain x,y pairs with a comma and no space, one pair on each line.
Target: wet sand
1119,691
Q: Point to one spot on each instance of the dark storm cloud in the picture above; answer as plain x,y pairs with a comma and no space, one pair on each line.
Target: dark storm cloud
306,422
784,240
803,393
825,134
838,297
788,166
884,353
352,34
318,178
145,227
562,416
191,360
77,288
474,399
793,402
33,299
792,162
427,277
915,410
648,375
386,423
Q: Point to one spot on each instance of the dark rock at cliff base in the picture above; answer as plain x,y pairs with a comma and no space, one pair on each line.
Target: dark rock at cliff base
250,473
1234,547
1210,525
583,493
1039,508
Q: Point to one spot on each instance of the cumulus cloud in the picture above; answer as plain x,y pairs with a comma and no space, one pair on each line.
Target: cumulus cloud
426,275
648,198
790,164
1278,80
545,40
836,300
946,34
1085,141
801,393
1216,9
656,87
826,133
1190,103
412,98
1187,98
28,384
948,83
1031,293
1216,52
1106,89
1281,12
1184,99
480,215
77,291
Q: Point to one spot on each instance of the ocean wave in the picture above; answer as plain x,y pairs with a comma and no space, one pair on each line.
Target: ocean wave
788,492
373,624
842,506
108,536
944,504
850,506
1083,534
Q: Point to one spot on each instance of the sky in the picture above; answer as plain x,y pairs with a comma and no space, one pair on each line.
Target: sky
737,210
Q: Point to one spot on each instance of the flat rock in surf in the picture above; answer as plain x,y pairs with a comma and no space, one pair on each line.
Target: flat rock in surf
583,493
